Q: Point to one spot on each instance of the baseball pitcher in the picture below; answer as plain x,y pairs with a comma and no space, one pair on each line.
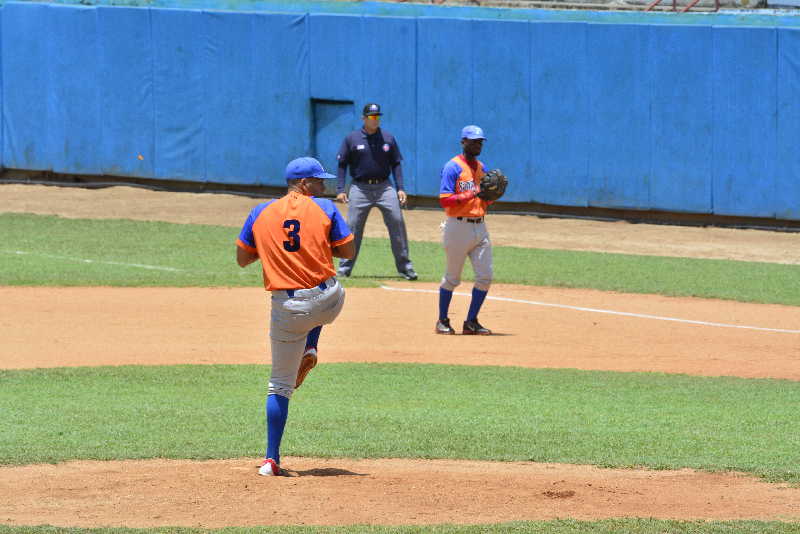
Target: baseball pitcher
295,237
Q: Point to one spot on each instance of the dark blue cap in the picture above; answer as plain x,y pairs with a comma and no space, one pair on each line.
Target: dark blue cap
372,109
306,167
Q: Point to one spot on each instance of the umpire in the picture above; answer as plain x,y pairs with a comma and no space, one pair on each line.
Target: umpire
372,153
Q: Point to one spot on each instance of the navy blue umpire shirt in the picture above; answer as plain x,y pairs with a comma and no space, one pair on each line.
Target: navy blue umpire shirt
369,157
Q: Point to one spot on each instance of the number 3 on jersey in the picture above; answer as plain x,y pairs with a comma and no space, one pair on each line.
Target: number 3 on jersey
293,244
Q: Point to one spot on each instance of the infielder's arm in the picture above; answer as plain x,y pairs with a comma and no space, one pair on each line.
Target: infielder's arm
456,199
245,257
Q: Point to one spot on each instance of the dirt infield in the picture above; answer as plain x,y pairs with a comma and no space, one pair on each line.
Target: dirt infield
343,492
158,326
543,327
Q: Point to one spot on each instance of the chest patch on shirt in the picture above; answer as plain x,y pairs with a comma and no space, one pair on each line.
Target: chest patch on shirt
385,147
359,147
466,185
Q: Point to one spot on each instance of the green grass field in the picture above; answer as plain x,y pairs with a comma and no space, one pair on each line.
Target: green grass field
567,416
608,419
42,250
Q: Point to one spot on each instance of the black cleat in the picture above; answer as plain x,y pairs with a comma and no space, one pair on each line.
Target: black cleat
474,328
410,274
443,327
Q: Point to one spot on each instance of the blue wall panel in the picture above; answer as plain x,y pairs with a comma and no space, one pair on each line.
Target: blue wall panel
234,133
389,77
681,117
745,61
336,50
26,80
2,161
618,82
444,96
179,40
282,99
125,48
787,171
74,115
255,95
500,97
559,107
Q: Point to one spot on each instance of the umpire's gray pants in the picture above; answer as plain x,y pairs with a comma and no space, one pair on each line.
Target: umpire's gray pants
362,198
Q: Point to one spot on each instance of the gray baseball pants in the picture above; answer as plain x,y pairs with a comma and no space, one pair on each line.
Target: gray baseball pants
464,240
292,317
362,198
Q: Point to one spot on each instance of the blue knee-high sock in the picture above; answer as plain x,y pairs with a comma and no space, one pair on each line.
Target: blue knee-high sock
313,337
478,297
445,296
277,412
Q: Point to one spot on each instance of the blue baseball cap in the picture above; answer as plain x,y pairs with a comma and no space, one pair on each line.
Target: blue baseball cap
306,167
472,132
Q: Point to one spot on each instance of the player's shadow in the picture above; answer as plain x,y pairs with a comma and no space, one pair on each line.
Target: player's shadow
329,472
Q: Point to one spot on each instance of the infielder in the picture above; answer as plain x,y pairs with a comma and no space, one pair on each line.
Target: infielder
372,154
295,237
465,232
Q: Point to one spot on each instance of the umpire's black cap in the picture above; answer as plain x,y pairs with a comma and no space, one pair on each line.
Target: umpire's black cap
372,109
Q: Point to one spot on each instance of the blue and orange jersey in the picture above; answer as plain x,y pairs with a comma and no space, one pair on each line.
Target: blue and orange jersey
293,236
459,176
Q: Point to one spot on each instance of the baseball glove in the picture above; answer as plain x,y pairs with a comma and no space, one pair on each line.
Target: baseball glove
493,185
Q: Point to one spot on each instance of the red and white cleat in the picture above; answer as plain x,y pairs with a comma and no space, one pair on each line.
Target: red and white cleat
270,469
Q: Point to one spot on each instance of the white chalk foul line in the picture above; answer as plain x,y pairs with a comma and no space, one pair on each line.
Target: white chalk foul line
85,260
609,312
107,262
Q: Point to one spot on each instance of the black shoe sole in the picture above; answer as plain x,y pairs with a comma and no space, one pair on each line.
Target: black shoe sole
475,333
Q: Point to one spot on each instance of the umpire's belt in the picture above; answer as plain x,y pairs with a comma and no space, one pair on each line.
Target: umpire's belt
475,220
316,290
371,181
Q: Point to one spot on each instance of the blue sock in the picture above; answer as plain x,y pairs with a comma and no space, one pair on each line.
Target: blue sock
313,337
445,296
478,297
277,412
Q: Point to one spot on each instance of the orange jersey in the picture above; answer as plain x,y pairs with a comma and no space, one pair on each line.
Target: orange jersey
293,237
458,176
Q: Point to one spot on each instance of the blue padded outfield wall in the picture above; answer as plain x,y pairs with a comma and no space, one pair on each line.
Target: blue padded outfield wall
685,113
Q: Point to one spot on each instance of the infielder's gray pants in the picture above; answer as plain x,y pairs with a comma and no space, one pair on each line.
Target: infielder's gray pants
291,320
362,198
462,239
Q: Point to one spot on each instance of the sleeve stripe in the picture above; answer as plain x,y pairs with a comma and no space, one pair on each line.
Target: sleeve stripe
245,246
342,241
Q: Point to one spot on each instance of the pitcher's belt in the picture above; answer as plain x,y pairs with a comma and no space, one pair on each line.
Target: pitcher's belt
321,287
